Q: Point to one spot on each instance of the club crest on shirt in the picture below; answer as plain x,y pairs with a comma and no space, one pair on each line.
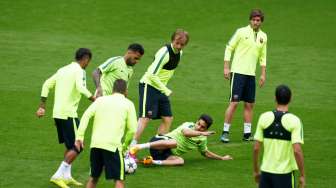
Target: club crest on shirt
261,40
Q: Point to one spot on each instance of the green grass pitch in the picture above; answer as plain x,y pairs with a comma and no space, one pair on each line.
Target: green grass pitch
37,37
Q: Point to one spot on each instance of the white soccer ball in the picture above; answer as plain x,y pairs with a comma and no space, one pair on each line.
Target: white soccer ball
130,165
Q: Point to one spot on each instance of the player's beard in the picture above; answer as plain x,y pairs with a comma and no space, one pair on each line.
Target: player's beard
129,62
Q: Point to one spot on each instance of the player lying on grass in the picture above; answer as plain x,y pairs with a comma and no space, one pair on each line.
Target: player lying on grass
167,149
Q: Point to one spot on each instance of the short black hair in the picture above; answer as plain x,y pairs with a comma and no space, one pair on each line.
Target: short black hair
207,119
283,94
257,13
135,47
82,53
120,86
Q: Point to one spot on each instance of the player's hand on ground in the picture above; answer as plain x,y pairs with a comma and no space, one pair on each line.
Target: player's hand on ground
226,157
262,80
79,144
302,182
227,73
40,112
256,176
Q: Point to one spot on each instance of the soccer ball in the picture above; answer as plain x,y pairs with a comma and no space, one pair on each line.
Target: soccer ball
130,165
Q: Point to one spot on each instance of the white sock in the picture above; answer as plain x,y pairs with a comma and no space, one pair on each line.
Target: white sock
157,162
247,128
226,127
144,146
133,142
61,169
67,171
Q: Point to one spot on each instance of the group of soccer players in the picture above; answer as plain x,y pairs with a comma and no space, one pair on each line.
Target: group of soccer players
117,129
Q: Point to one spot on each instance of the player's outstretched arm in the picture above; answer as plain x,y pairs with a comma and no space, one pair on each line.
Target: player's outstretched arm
192,133
212,155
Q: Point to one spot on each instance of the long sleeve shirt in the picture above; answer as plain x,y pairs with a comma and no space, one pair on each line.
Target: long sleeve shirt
69,83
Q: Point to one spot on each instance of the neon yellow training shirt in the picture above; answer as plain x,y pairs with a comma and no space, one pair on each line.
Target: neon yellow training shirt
113,116
249,48
155,75
278,157
112,69
185,144
69,82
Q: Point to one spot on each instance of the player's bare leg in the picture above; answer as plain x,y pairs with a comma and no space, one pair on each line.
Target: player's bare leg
230,112
70,156
142,124
248,115
173,161
163,144
159,144
227,121
170,161
119,184
92,183
62,177
165,125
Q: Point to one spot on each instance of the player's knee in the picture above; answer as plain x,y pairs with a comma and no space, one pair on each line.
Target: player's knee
172,143
167,120
74,148
234,105
119,184
144,120
93,180
248,106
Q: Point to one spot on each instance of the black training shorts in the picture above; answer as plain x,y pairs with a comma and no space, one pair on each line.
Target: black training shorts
242,88
153,103
112,162
160,154
270,180
66,129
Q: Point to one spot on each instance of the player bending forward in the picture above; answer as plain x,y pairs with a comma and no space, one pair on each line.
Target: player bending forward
167,149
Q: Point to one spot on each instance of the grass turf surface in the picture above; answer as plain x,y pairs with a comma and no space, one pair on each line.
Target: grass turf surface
37,37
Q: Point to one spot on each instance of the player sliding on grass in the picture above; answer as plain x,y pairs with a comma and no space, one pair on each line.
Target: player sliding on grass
167,149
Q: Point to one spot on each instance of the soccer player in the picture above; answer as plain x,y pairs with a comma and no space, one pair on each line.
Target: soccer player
114,115
69,83
153,91
249,47
281,135
167,149
120,67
